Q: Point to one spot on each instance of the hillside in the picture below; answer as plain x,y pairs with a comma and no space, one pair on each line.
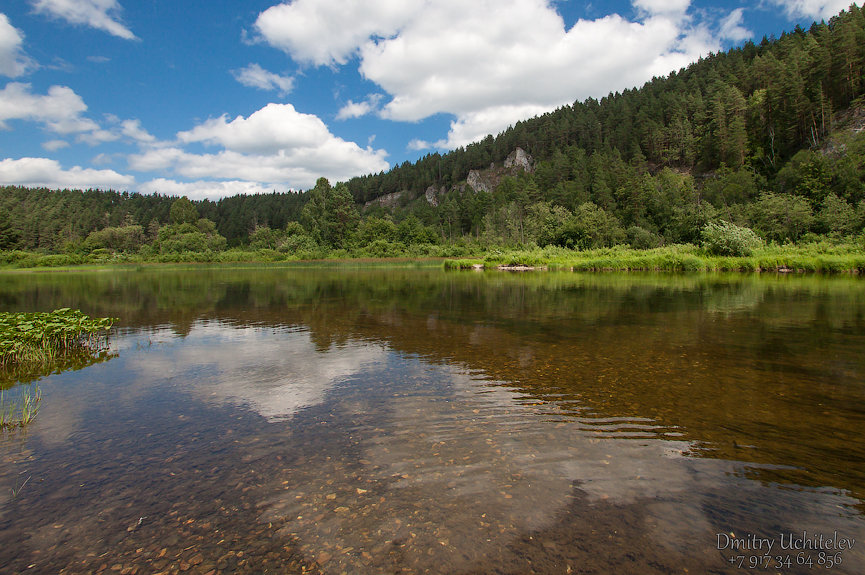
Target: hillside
756,105
768,136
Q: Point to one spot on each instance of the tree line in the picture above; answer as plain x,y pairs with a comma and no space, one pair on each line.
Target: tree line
768,136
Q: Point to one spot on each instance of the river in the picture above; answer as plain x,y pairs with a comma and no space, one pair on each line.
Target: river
272,420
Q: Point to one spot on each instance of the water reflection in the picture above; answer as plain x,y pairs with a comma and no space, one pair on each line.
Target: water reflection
272,373
459,471
432,422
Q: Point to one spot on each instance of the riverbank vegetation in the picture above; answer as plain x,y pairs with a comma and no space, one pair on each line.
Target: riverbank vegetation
820,258
752,158
34,344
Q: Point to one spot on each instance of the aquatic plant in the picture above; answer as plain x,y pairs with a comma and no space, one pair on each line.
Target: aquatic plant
16,491
36,342
20,410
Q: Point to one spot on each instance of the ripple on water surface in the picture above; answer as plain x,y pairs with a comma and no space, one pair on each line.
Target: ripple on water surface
356,435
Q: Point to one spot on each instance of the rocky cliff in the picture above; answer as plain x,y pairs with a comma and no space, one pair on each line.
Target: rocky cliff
487,180
484,180
387,200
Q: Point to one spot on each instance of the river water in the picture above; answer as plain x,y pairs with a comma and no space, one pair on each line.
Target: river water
290,420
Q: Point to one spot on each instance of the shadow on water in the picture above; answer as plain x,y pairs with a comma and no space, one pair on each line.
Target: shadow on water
421,421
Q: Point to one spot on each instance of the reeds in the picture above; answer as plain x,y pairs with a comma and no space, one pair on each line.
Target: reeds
20,409
462,264
16,491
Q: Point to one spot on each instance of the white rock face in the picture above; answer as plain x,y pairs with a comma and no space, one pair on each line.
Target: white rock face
478,183
519,159
431,195
387,200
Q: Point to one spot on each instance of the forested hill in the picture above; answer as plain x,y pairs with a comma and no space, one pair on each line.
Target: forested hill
758,104
769,136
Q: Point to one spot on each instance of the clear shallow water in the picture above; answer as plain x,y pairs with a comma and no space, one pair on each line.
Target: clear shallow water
421,421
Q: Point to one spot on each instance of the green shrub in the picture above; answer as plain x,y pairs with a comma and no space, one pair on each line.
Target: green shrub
200,237
424,250
781,217
412,231
373,228
642,239
51,260
590,227
836,216
121,239
298,243
265,238
382,248
726,239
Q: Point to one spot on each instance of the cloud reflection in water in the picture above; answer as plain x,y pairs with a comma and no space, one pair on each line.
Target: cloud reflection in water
273,372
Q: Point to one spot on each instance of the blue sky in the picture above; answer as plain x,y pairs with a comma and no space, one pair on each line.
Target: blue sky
218,97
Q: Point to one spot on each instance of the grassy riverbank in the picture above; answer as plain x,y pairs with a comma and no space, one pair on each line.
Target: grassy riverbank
18,259
820,258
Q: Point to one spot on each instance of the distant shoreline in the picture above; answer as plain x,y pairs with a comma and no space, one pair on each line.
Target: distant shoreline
807,258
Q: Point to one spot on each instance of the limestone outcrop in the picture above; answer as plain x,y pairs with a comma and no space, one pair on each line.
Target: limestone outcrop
519,159
387,200
485,180
481,182
432,195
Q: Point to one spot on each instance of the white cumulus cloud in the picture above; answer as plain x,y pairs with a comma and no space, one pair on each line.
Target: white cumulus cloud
13,61
417,145
203,189
358,109
518,53
100,14
473,126
662,6
732,29
132,129
817,9
482,61
98,136
45,172
255,76
297,169
274,127
59,110
324,33
276,145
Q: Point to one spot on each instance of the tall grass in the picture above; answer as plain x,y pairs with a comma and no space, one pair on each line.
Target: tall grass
817,258
462,264
21,408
